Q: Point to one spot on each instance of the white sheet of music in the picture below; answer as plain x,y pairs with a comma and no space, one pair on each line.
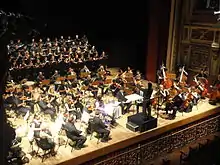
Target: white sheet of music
153,94
133,97
113,109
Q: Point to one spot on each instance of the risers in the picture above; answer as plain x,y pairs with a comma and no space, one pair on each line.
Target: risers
140,121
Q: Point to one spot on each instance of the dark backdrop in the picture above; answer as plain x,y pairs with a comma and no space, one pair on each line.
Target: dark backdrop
120,29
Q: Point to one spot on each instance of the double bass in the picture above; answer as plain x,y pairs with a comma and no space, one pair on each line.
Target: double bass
167,83
183,77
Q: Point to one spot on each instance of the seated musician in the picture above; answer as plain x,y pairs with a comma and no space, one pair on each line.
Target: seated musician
20,106
108,73
139,102
129,71
99,104
217,82
29,101
138,76
120,77
121,98
88,83
114,87
53,96
55,75
42,135
85,69
71,72
160,76
36,126
62,88
178,72
187,104
195,95
70,107
101,74
163,92
215,94
170,110
100,127
203,74
40,77
74,134
45,107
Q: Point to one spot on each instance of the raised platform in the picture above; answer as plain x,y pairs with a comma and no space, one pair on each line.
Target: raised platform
123,138
141,123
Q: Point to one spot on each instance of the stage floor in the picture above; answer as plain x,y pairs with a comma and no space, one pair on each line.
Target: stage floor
118,134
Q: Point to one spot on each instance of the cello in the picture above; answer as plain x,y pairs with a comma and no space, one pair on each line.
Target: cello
183,78
202,87
167,83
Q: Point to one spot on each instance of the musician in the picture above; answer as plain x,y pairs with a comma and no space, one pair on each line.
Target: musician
62,88
87,82
85,69
146,100
195,95
203,74
170,110
43,135
178,73
74,134
101,74
99,104
217,82
163,92
20,106
55,76
70,106
40,77
71,72
159,76
129,72
120,78
107,71
215,93
121,98
36,125
45,107
53,96
28,95
100,127
138,76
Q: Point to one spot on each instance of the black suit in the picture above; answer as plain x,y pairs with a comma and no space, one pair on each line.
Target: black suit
121,98
74,134
146,101
100,127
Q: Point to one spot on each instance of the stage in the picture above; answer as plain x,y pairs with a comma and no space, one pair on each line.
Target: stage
121,137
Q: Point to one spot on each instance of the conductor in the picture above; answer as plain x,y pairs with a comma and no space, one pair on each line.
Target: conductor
146,100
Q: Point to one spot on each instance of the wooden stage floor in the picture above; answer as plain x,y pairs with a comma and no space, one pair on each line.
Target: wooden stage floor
121,136
118,134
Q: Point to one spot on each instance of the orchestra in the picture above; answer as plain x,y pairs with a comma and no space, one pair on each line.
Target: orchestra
88,99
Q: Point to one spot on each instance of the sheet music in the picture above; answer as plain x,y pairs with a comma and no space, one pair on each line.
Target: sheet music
153,94
133,97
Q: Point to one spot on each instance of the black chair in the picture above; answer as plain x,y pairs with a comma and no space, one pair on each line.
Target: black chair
45,148
92,131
